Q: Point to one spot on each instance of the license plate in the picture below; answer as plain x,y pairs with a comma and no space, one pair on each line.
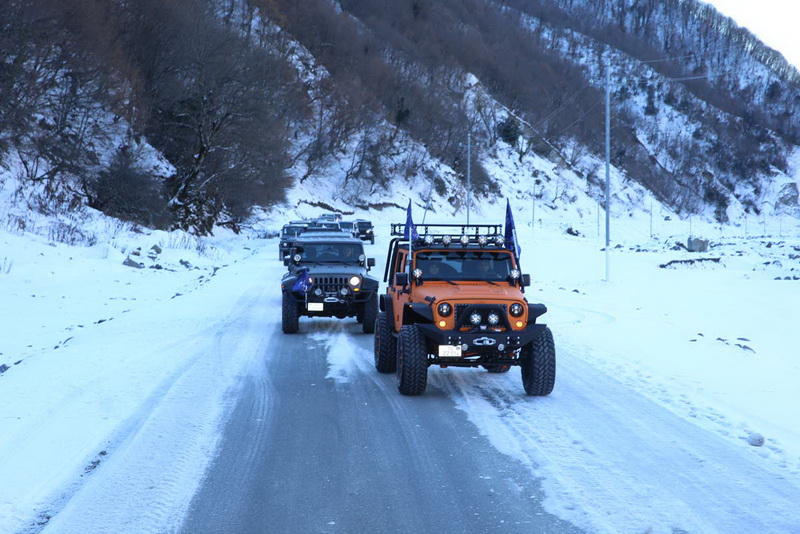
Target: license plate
315,306
449,351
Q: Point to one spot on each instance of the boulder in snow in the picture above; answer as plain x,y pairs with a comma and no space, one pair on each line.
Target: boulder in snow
755,439
131,263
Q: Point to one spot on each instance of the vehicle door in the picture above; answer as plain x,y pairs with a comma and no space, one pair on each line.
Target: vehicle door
400,295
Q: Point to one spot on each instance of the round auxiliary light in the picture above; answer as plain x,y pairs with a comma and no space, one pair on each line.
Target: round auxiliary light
493,318
344,291
516,309
297,258
446,240
445,309
501,347
318,292
464,240
464,347
362,258
354,280
417,273
499,241
514,274
428,239
482,240
475,318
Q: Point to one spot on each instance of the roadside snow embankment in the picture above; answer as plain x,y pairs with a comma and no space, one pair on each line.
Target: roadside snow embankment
713,341
103,361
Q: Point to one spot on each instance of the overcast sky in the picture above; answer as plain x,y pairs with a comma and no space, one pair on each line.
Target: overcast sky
775,22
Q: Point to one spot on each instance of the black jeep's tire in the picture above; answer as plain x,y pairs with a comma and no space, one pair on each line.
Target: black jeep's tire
385,345
412,361
372,241
539,365
290,320
368,314
497,368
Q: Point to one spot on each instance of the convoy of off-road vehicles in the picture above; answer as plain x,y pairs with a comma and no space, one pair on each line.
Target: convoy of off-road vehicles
455,296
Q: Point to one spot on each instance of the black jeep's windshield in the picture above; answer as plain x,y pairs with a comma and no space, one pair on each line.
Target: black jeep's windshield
292,231
364,225
493,266
330,252
325,226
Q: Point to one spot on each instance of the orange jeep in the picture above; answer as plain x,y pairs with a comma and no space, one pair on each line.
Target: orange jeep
456,297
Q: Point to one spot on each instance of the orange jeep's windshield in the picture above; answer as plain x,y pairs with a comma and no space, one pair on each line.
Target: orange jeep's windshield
483,265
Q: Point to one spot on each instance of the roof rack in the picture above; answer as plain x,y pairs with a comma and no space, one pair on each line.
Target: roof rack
488,230
482,235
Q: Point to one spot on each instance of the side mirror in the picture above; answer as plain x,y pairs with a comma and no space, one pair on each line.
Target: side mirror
401,279
370,262
525,280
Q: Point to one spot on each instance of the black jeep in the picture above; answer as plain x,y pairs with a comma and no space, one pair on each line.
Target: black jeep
365,231
289,233
327,277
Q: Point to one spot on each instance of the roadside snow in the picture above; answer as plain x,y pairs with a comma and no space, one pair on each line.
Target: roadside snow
100,360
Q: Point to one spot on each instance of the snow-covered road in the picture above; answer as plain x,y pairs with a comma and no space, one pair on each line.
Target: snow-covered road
196,414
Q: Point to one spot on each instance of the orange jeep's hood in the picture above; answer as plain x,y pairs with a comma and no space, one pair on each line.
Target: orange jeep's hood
480,291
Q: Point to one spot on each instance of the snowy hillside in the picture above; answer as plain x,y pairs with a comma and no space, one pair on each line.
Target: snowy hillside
151,151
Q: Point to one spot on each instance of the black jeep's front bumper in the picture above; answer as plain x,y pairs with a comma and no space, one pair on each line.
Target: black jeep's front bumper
479,346
333,306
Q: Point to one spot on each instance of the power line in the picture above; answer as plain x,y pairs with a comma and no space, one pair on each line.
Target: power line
665,59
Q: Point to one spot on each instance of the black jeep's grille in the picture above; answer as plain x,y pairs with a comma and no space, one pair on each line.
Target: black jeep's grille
330,284
483,309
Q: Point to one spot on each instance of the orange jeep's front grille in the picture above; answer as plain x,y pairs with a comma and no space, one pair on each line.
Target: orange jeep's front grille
463,310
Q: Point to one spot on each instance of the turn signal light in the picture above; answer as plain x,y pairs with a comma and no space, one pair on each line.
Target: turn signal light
442,324
518,324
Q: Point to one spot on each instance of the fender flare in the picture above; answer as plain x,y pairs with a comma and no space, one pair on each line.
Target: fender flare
385,304
417,312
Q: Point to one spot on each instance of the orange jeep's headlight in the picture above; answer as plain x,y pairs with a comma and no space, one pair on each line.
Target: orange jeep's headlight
444,309
516,309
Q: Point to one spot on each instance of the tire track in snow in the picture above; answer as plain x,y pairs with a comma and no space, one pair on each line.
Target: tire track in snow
147,484
611,460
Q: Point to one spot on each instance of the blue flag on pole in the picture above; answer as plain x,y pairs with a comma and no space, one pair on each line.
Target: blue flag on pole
410,231
303,282
511,232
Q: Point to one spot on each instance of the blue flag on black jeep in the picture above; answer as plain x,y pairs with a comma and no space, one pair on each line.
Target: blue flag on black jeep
511,232
303,282
410,231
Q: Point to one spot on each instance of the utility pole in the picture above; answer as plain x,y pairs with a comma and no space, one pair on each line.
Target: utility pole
469,173
608,166
533,206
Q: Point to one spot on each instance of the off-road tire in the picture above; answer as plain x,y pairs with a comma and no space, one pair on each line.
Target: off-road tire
412,361
290,319
538,365
496,368
372,241
368,314
385,345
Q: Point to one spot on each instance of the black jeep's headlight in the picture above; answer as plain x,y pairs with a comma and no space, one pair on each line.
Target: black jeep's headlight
445,309
516,309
